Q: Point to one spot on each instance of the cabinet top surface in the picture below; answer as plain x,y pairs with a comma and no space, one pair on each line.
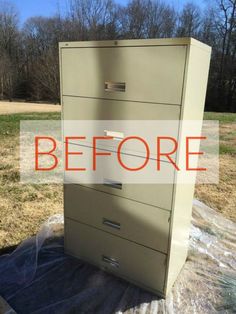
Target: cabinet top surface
136,43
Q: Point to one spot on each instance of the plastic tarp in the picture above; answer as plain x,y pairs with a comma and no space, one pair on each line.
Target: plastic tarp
39,278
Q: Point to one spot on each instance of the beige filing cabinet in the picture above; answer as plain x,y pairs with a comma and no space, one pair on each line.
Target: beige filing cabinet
138,232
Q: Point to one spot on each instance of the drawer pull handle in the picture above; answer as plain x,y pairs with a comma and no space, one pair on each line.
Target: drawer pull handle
115,86
113,184
118,136
111,261
111,224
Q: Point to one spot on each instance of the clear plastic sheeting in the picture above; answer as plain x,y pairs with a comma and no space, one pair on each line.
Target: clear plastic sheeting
39,278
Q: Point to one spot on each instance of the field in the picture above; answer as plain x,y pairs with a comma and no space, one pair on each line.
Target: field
222,196
24,208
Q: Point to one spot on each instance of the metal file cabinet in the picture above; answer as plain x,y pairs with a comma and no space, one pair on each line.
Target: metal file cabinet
136,231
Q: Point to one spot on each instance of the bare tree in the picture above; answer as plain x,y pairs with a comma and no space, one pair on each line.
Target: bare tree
6,77
41,37
147,19
95,19
45,77
226,27
161,20
8,48
133,19
207,29
189,21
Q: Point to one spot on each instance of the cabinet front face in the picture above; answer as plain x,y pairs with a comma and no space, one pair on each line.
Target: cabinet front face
134,231
129,260
128,219
146,74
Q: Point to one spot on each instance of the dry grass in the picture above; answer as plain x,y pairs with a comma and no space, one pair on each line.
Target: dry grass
23,208
222,196
7,107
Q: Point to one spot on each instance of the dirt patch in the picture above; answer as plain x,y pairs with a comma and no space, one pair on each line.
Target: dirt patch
18,107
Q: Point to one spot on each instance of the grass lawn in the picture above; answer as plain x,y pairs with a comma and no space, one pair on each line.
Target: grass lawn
222,196
23,208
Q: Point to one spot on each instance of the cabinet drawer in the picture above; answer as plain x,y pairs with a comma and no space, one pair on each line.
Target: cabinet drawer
160,121
159,195
138,264
134,221
79,108
112,178
146,74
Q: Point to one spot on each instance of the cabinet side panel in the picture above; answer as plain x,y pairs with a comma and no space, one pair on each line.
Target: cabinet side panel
192,109
62,124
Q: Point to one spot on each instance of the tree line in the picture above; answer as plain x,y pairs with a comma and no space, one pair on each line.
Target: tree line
29,67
